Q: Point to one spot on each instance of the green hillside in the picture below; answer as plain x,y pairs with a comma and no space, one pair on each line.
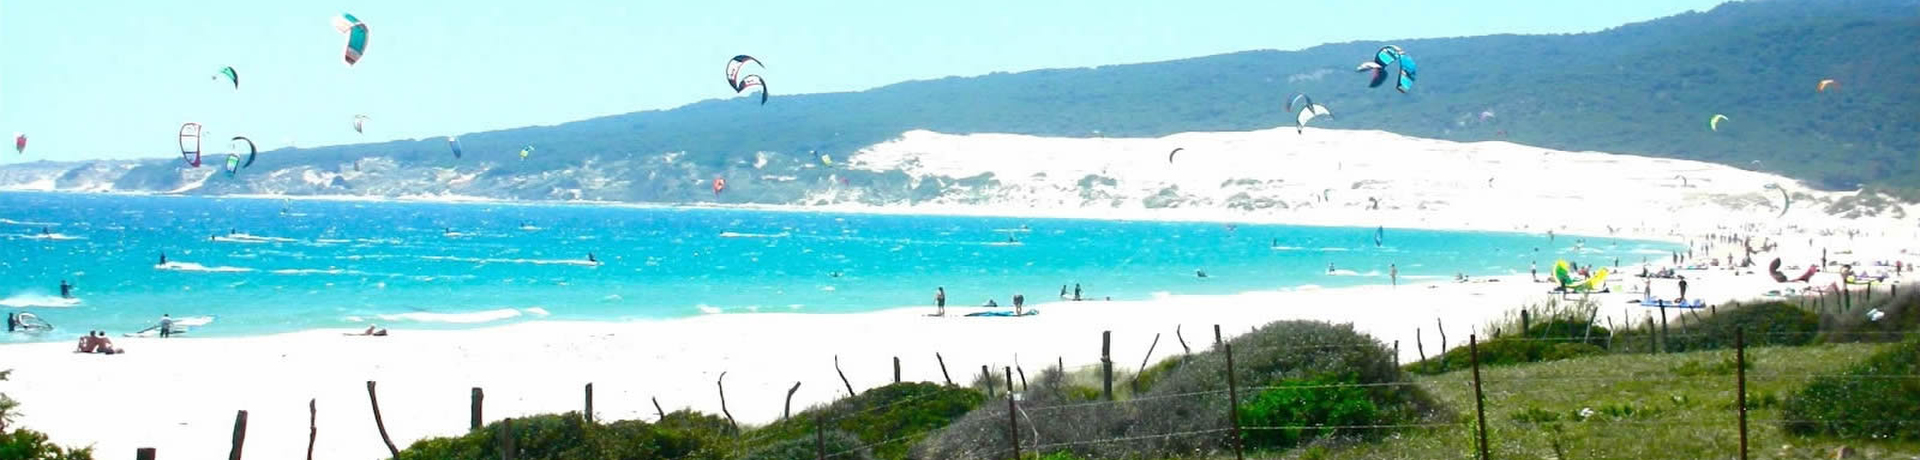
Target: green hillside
1645,88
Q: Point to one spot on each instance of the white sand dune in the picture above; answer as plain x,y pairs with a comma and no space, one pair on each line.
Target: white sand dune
179,394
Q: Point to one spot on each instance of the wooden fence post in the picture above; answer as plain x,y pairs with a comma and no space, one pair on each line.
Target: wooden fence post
896,369
1666,341
1526,323
1183,341
1233,404
1396,353
1419,344
478,399
144,453
1013,417
657,409
239,435
1106,365
1479,397
820,436
313,424
721,383
1653,345
788,411
507,448
589,413
374,398
1216,336
988,376
843,376
1143,363
943,369
1740,373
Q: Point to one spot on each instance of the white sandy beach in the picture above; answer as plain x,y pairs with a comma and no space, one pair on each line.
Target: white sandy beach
179,395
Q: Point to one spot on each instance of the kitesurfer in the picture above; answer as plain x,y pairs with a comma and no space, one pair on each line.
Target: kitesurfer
590,258
163,258
66,290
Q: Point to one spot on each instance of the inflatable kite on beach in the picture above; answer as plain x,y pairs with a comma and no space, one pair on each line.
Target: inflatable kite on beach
190,144
232,76
360,124
1714,122
1307,113
252,152
454,143
1786,200
1563,274
1170,154
19,143
719,185
1386,57
733,71
1823,85
1683,181
356,35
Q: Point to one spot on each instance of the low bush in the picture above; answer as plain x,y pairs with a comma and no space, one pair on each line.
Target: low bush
1766,324
1876,399
1296,410
25,444
838,445
1507,351
682,434
1183,413
902,413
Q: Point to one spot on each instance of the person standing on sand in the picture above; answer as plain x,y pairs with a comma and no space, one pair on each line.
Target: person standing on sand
1076,292
1533,270
1393,273
1683,290
1019,305
166,325
940,301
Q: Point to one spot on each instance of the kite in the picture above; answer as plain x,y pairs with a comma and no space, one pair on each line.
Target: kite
1714,122
525,152
360,124
252,152
1379,236
1683,181
232,76
454,143
733,71
1299,99
190,144
752,81
1388,56
233,164
826,160
1823,85
356,33
718,186
20,143
1307,113
1786,200
1170,154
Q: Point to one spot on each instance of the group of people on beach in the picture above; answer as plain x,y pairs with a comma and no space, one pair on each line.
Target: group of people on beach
940,303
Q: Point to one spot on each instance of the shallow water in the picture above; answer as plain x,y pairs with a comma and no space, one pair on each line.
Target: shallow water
263,266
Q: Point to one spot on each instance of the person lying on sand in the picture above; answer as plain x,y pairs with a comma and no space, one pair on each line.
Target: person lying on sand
372,331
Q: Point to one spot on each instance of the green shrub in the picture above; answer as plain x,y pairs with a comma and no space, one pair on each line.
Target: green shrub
568,437
1506,351
1309,403
1766,324
1184,412
838,445
1876,399
1899,316
901,412
24,444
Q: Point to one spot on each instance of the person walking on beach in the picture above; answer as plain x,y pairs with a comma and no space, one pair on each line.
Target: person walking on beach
1076,292
166,325
1019,305
940,301
1393,273
66,290
1533,270
1683,289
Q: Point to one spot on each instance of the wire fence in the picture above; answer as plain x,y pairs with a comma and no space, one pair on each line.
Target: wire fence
1710,395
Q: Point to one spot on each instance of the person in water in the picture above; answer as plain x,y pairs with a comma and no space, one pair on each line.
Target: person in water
1200,273
591,259
1329,267
166,325
1076,292
1393,273
66,290
163,258
940,301
45,231
13,323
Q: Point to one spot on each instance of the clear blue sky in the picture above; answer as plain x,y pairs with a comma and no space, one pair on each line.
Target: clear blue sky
115,78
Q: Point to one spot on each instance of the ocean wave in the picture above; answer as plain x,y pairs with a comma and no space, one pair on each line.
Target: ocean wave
1334,249
1651,252
1346,272
29,223
38,300
319,271
708,309
1286,248
51,237
473,317
247,238
193,267
754,235
477,260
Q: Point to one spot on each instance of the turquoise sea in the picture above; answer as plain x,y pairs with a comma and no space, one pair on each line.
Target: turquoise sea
259,266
